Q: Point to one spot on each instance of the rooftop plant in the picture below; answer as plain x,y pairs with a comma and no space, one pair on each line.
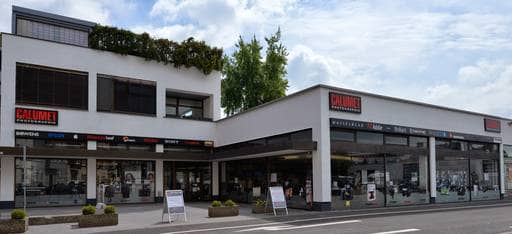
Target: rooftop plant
188,53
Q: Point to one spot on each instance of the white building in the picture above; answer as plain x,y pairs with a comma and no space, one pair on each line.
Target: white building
100,126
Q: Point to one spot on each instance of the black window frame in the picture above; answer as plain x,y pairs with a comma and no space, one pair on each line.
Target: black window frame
129,85
77,90
178,105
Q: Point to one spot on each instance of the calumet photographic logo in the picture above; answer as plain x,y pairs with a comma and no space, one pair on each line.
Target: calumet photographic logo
344,102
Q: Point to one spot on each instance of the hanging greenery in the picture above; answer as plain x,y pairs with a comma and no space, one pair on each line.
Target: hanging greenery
189,53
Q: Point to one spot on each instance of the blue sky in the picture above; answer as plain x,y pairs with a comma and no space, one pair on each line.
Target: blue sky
447,52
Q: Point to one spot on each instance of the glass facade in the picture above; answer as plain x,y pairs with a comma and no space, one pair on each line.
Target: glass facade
248,180
194,178
507,153
124,181
375,170
51,182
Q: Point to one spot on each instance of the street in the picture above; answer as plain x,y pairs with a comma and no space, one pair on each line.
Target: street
483,220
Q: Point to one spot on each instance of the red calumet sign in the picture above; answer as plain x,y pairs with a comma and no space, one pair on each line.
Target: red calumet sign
36,116
492,125
343,102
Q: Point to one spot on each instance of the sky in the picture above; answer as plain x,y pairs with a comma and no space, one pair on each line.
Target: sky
454,53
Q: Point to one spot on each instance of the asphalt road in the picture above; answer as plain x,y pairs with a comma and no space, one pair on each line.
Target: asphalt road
482,220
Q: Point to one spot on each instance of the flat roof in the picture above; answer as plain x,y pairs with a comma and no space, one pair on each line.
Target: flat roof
49,18
351,91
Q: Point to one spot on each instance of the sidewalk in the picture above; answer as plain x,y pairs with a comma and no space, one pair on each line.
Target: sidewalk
149,216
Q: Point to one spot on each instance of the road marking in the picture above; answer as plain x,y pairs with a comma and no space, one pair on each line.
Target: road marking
290,227
399,231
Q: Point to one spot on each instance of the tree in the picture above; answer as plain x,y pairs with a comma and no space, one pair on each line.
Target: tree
249,81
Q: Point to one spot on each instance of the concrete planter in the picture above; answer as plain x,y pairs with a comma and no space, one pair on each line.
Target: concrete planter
223,211
97,220
13,225
45,220
261,209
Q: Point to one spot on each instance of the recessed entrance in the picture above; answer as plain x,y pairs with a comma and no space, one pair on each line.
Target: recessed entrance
194,178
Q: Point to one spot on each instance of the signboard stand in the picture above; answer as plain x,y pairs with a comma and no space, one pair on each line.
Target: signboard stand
275,196
174,205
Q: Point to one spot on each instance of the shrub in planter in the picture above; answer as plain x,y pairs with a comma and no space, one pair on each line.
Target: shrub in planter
17,224
218,210
109,209
260,207
88,210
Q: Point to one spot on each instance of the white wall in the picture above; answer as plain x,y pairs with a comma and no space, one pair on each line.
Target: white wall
32,51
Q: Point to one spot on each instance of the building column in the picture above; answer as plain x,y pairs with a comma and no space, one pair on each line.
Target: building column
159,180
502,172
7,169
432,171
215,180
91,181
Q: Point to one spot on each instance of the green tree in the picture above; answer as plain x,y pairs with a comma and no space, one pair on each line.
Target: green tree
249,81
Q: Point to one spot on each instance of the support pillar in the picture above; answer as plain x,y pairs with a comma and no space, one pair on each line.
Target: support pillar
91,181
321,159
432,171
7,169
159,180
502,172
215,180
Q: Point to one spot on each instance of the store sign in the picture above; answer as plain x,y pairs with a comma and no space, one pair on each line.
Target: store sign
378,127
36,116
492,125
110,138
344,102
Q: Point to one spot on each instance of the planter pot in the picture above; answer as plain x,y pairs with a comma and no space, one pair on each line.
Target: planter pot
45,220
97,220
261,209
13,225
223,211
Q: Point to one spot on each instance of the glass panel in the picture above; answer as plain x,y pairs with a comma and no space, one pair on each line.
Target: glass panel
190,102
418,142
50,143
125,181
294,174
171,101
357,180
484,179
340,135
442,143
46,83
369,138
508,178
190,112
459,145
507,150
244,180
105,94
407,179
52,182
452,179
170,110
395,140
51,32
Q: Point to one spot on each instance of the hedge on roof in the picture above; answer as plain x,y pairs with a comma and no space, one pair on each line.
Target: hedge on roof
189,53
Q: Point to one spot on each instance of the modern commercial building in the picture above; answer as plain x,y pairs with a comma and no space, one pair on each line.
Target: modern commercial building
100,126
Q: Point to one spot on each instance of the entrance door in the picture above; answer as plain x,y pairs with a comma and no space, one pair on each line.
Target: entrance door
194,179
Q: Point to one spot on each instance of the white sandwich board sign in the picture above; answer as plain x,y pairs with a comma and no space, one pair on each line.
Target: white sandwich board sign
277,198
174,204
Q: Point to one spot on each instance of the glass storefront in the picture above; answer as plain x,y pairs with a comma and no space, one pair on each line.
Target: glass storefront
507,153
51,182
194,178
248,180
375,170
125,181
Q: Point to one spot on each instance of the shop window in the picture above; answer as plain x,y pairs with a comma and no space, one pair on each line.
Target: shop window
443,143
487,147
369,138
46,86
189,108
406,179
484,178
459,145
117,94
50,143
418,142
452,178
342,135
125,181
395,140
51,182
507,151
125,146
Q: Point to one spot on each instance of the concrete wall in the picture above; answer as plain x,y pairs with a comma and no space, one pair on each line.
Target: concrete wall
32,51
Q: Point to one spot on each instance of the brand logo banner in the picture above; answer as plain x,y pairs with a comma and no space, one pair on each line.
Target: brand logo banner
492,125
344,102
36,116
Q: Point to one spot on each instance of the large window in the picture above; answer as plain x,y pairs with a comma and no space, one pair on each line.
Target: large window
52,182
51,87
184,107
116,94
507,151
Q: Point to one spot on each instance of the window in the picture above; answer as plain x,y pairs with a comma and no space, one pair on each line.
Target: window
50,32
418,142
184,107
342,135
395,140
369,138
116,94
51,87
487,147
507,150
442,143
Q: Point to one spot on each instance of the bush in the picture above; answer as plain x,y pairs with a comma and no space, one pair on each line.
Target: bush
18,214
109,210
216,204
229,203
261,203
88,210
